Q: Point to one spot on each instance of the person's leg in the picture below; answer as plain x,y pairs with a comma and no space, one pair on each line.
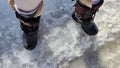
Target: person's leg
85,16
29,16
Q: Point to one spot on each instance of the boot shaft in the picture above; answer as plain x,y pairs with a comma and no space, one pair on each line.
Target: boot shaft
28,24
84,12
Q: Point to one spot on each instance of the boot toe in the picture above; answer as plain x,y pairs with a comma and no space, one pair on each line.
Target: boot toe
30,40
90,29
30,46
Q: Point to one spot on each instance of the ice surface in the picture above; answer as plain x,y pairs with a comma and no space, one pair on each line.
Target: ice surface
61,39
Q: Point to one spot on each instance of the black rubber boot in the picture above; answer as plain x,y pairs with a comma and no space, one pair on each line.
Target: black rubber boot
30,33
85,16
30,40
30,36
88,26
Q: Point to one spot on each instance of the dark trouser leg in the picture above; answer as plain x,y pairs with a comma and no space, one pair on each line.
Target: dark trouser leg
30,30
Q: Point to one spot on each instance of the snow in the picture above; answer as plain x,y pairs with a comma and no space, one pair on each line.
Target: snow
61,39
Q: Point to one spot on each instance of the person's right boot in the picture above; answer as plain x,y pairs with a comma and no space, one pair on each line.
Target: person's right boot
30,37
30,28
85,16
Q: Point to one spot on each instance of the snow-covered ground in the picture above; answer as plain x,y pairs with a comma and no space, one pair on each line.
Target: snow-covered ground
62,43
